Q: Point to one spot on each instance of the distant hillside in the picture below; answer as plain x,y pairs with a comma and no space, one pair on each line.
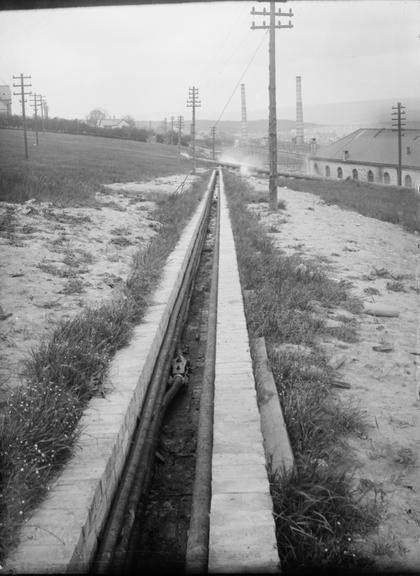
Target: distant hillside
259,127
368,113
351,115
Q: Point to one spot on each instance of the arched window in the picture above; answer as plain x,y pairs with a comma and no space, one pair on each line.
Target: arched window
355,174
371,177
407,181
387,179
316,168
327,171
339,172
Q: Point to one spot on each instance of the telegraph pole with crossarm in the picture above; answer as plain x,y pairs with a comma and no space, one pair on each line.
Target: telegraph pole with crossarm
42,112
22,95
171,136
272,114
35,103
398,123
180,126
193,102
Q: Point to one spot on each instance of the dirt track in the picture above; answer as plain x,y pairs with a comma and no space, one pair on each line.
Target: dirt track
381,261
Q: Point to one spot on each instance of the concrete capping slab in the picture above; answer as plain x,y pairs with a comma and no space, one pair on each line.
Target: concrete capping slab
242,534
61,535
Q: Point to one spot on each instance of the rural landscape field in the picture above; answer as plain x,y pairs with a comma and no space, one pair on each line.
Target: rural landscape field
71,238
87,224
210,287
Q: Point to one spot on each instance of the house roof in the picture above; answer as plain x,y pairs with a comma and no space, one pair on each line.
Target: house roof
375,146
112,122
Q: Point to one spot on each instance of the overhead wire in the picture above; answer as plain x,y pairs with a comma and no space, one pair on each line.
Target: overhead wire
241,14
241,78
228,51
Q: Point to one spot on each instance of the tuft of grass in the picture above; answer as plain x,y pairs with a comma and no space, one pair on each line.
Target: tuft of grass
316,520
7,224
37,431
62,272
73,286
76,257
371,291
122,241
317,511
395,286
39,423
346,332
65,217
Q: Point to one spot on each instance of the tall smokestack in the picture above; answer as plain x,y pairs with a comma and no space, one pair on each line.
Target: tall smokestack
299,112
244,127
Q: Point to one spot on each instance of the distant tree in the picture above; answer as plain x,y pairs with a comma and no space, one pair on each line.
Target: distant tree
130,121
95,116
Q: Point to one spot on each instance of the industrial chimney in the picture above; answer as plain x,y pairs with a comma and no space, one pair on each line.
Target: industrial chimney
299,112
244,127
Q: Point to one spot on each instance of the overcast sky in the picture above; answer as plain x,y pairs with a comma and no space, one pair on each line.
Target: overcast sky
141,60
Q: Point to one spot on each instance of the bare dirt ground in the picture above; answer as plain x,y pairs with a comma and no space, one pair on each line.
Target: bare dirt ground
56,261
381,261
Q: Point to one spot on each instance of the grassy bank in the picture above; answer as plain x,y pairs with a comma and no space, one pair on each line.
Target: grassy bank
68,169
387,203
318,511
39,422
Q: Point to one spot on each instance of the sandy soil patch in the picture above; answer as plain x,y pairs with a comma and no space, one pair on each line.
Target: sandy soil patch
381,261
56,261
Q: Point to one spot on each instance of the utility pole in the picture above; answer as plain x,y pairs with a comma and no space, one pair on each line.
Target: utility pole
272,115
244,128
180,126
213,142
42,112
398,123
193,102
172,129
22,95
36,100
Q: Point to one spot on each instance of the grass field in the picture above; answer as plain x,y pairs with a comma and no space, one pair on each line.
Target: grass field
68,169
387,203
